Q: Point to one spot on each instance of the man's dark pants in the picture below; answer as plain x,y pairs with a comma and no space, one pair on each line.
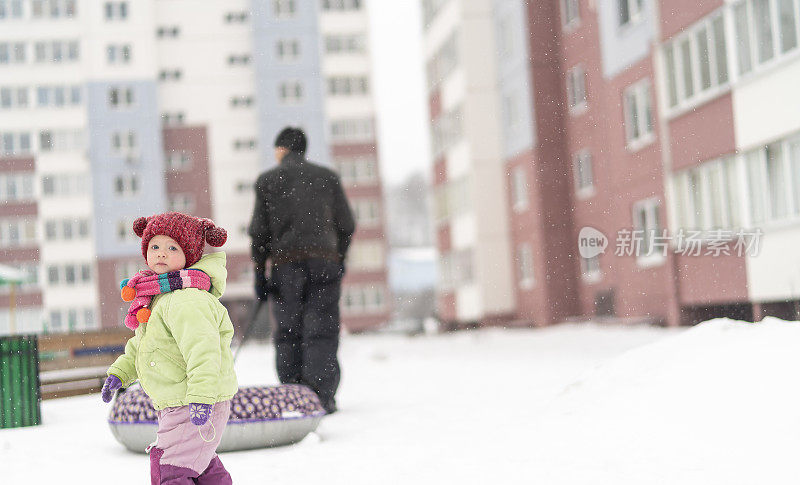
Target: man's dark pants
306,334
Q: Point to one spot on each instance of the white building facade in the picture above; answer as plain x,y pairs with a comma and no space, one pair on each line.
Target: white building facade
113,110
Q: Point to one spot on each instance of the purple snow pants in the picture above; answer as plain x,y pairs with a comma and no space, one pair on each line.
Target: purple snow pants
181,455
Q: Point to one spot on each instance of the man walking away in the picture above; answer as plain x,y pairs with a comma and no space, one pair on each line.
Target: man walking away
302,223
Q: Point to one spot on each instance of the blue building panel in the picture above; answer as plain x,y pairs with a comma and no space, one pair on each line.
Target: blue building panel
309,112
142,118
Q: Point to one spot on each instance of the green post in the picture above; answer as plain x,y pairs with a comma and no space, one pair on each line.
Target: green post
19,381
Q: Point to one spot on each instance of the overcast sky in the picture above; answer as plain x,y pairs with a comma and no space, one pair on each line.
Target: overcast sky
396,43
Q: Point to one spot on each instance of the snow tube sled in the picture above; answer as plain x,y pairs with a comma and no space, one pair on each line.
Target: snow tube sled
260,417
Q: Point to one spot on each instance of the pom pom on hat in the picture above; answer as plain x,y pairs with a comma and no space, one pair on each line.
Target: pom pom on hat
140,224
216,236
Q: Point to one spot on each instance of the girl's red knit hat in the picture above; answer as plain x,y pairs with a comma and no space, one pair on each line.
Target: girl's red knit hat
191,233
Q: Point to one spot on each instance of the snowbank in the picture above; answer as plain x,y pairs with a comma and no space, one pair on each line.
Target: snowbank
717,404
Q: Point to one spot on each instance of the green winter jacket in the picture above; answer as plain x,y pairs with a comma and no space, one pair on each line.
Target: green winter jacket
182,354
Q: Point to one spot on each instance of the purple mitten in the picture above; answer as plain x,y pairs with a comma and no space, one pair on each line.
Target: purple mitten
112,384
199,413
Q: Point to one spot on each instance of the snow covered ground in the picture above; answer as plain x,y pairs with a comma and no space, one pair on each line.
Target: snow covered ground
571,404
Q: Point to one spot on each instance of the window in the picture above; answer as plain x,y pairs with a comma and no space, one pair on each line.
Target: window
696,62
358,299
16,187
239,60
444,61
179,160
17,49
10,9
124,142
777,188
347,86
357,129
765,30
576,88
288,50
366,255
772,177
452,199
118,54
126,185
40,8
720,51
65,184
171,31
172,119
58,96
283,8
629,11
69,274
241,101
367,212
570,13
126,269
120,97
456,268
182,203
590,267
236,17
446,131
15,143
762,23
743,48
290,92
244,144
56,51
340,5
13,97
61,140
646,223
519,189
584,178
66,229
125,232
345,43
512,112
787,23
170,75
116,10
638,115
17,232
357,170
525,265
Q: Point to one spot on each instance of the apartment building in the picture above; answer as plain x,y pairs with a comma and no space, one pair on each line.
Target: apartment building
667,128
472,216
110,110
350,106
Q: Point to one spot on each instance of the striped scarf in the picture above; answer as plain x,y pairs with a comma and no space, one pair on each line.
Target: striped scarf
144,285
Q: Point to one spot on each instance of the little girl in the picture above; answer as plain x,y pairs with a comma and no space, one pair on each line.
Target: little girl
181,351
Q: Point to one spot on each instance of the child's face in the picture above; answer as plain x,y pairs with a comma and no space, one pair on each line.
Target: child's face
165,255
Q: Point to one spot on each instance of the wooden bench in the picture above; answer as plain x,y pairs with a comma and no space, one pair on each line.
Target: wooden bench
76,363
